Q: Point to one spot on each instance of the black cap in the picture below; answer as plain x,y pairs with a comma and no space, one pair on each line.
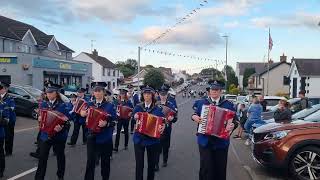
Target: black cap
129,86
215,84
147,89
81,90
73,96
164,89
53,88
123,90
98,87
108,93
4,84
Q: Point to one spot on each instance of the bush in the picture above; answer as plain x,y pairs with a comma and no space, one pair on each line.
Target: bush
154,78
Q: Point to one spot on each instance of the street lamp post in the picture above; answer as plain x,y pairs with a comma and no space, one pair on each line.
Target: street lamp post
225,69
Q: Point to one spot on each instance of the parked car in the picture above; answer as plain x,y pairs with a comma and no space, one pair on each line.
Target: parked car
230,97
272,100
26,99
292,146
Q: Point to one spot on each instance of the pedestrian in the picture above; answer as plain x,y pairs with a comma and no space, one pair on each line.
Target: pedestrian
304,101
263,103
166,136
242,120
283,113
9,103
6,106
135,100
100,143
53,102
254,116
213,150
123,122
142,142
79,121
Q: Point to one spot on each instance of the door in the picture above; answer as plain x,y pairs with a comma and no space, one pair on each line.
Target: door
22,100
6,79
294,88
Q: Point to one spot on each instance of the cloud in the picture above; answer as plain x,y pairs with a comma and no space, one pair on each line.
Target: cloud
194,35
298,20
233,24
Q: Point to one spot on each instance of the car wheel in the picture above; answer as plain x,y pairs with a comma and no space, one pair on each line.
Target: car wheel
34,113
305,164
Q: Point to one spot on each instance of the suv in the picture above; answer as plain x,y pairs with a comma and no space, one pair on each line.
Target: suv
294,146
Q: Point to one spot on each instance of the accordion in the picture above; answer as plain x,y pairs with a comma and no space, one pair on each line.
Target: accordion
50,119
79,105
124,112
214,121
149,124
94,116
168,112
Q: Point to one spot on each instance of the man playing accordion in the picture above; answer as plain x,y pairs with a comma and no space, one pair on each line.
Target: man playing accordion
213,150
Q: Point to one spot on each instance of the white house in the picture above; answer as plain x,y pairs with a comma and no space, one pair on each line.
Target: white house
304,75
179,75
103,70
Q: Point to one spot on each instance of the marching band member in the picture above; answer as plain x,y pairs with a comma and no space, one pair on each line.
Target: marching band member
143,142
9,128
58,141
6,105
213,150
135,99
79,122
166,136
100,143
123,101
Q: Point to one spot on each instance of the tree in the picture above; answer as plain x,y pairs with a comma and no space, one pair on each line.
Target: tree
233,89
154,78
128,68
132,62
247,73
232,78
149,66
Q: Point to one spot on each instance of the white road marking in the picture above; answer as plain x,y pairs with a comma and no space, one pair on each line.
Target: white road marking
26,129
24,173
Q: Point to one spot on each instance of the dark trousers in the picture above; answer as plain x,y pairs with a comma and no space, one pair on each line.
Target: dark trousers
152,153
213,163
76,130
58,148
132,123
9,132
164,147
125,124
104,151
2,158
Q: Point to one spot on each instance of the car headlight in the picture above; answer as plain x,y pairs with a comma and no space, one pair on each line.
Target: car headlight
277,135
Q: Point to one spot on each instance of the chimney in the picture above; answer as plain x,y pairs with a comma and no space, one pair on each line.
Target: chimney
270,61
95,53
283,58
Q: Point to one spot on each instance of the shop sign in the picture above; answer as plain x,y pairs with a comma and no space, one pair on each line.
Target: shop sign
8,60
54,64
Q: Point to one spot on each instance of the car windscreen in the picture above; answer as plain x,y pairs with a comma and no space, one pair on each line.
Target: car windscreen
306,112
272,102
241,98
315,117
231,97
34,92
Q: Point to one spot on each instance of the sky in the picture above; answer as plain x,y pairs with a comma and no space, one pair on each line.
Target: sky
116,28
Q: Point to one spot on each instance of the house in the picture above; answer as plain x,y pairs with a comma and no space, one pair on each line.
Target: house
29,56
181,74
103,69
258,82
304,74
167,73
242,66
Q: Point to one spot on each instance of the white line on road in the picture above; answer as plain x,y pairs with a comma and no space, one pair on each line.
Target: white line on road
26,129
23,174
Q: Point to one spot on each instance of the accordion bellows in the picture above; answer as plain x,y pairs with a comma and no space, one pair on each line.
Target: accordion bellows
95,115
168,111
50,119
124,112
79,105
149,124
214,121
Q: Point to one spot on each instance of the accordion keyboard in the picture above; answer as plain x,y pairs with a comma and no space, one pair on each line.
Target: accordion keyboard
204,118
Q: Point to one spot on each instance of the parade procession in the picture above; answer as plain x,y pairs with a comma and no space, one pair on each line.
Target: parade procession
159,90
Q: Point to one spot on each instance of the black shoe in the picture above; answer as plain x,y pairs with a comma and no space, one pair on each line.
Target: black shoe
131,132
126,148
156,169
60,178
1,174
35,155
71,144
8,154
165,164
115,149
36,142
84,143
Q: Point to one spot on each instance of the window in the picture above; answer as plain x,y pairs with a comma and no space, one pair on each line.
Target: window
109,72
114,73
10,46
103,71
114,85
29,50
295,71
118,73
286,80
18,91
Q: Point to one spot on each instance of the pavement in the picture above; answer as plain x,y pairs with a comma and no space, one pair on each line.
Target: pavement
183,159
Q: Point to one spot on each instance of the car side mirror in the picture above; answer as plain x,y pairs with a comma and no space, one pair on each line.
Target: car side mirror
26,96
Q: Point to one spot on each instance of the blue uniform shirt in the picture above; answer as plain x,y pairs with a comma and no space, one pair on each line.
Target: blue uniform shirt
211,141
8,103
61,107
105,136
143,139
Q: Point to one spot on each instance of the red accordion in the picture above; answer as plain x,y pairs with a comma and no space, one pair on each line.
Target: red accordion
95,115
149,124
79,105
124,112
168,112
214,121
50,119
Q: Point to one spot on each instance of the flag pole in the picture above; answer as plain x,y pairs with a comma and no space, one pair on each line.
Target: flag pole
268,61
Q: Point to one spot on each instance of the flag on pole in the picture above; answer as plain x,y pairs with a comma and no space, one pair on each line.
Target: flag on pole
270,41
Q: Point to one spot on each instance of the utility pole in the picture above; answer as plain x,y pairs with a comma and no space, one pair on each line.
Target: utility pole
139,50
268,61
225,69
92,44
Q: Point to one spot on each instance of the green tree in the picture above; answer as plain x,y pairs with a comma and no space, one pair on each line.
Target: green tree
233,89
128,68
232,78
149,66
132,63
247,73
154,78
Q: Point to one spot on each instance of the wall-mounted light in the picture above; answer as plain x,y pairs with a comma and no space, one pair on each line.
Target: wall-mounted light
4,70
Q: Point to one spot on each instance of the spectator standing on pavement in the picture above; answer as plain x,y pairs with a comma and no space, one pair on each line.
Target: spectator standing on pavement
243,118
283,113
254,116
304,104
263,103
